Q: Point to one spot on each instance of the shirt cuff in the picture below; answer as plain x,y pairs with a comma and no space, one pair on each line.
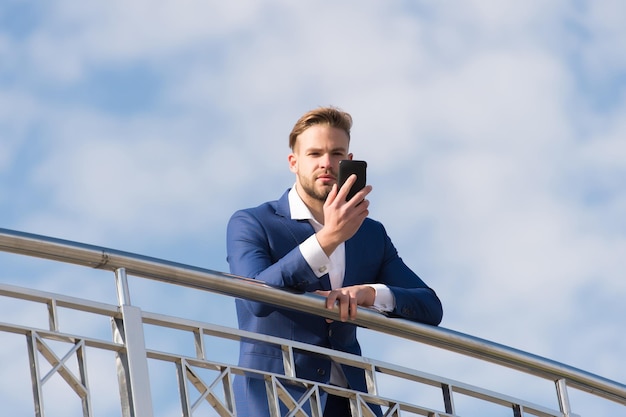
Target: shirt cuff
315,256
384,300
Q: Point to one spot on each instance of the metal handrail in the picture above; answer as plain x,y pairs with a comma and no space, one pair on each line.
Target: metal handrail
200,278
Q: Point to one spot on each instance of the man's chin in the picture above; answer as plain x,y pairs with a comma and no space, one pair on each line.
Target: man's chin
317,191
321,194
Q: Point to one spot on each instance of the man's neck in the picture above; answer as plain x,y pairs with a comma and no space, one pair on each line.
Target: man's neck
315,206
317,212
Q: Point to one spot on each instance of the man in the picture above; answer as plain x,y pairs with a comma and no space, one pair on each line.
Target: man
312,239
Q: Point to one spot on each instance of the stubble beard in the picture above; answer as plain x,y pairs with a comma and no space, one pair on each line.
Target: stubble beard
309,189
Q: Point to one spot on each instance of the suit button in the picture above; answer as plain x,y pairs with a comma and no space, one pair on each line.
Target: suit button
330,333
321,372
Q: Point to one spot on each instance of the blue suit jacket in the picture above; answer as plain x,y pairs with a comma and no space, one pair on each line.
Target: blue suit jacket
262,243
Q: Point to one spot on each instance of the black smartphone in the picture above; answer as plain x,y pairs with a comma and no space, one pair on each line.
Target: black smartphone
348,167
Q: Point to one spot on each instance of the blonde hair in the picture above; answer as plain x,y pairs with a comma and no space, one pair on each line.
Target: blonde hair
331,116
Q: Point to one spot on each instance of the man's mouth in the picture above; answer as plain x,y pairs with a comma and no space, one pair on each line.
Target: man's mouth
326,178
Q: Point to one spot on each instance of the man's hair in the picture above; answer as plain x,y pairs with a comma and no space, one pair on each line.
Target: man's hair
330,116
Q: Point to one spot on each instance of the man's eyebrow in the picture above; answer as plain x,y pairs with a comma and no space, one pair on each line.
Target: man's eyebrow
318,149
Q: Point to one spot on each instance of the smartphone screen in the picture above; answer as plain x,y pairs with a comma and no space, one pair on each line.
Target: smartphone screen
348,167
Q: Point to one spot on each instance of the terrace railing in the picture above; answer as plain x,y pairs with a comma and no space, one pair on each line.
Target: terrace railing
204,382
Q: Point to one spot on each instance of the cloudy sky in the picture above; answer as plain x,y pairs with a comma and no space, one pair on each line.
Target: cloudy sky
494,134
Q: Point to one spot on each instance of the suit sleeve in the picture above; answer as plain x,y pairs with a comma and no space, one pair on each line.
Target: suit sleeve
415,300
255,253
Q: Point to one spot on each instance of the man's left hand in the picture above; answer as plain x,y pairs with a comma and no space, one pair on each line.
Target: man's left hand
348,299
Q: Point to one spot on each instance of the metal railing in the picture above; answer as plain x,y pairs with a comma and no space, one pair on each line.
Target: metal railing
127,344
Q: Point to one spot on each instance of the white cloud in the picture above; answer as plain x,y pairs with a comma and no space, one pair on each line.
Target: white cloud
494,135
601,30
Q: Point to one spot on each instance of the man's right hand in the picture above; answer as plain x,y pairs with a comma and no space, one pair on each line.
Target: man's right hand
342,218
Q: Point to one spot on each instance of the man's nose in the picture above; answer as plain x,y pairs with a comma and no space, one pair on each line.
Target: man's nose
325,161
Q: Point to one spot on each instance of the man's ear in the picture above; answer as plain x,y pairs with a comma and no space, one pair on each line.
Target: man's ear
349,156
293,163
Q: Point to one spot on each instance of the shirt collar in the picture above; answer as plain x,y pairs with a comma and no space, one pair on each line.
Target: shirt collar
299,210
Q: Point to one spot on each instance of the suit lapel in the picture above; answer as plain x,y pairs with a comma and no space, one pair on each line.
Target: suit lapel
299,230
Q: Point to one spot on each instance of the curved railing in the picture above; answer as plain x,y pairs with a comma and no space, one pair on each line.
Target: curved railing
123,263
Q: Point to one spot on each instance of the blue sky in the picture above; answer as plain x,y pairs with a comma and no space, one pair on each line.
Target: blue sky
494,134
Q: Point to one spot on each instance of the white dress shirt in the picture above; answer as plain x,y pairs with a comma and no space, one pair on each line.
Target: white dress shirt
333,265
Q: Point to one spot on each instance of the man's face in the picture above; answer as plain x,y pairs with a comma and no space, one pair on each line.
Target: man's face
315,160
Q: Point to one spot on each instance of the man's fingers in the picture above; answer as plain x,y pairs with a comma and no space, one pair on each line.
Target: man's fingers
345,188
347,306
331,298
344,310
332,195
353,307
360,196
347,299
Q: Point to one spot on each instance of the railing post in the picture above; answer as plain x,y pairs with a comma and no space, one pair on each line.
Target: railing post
132,362
448,399
561,391
121,285
35,373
